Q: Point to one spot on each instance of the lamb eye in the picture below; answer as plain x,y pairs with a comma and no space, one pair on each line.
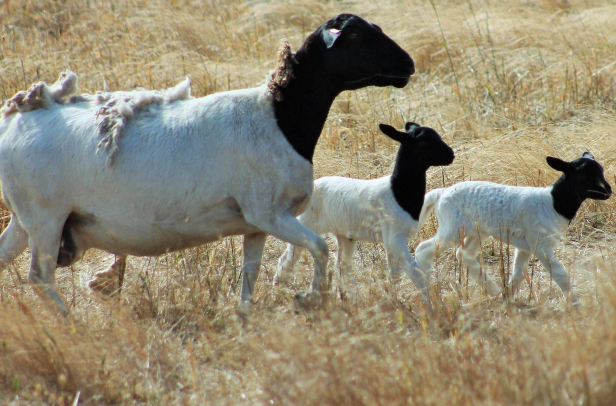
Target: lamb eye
353,35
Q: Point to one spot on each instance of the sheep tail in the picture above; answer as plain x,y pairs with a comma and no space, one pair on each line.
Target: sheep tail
430,199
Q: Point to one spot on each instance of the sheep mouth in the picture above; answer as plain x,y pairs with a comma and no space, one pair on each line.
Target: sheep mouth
381,80
400,81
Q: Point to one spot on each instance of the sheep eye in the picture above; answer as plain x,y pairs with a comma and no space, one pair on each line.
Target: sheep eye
352,35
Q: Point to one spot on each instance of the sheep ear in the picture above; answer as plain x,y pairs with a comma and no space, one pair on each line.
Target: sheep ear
330,35
392,133
410,126
558,164
588,155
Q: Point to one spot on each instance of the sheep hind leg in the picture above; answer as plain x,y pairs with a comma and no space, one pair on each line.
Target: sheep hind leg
109,282
13,241
287,262
468,255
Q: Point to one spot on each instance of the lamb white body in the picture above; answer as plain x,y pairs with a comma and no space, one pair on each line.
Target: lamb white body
358,210
470,212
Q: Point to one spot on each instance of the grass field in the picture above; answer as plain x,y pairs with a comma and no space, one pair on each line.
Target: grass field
505,83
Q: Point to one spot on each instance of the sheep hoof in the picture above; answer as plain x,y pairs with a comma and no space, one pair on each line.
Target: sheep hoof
312,300
244,309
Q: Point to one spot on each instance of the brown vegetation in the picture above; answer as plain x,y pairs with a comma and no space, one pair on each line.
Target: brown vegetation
506,83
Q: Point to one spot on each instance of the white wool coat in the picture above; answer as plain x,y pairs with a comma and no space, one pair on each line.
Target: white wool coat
525,215
358,209
186,172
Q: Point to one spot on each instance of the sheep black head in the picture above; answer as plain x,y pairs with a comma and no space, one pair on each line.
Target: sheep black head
421,145
584,176
345,53
356,54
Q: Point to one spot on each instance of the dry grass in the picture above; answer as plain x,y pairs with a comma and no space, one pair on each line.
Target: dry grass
506,83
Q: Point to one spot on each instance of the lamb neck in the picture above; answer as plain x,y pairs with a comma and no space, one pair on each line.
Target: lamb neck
566,200
408,184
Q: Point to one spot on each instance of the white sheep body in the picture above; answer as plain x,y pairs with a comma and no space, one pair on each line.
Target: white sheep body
153,209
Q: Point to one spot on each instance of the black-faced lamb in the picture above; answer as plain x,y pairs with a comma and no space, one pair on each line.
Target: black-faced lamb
532,219
175,174
384,210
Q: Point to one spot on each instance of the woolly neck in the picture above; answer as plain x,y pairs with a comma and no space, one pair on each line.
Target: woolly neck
408,184
566,201
306,101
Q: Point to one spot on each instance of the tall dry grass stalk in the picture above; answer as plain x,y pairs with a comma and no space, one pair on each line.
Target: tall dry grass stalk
506,83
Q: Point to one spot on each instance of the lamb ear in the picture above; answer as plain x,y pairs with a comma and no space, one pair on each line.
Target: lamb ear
330,35
588,155
410,126
392,133
558,164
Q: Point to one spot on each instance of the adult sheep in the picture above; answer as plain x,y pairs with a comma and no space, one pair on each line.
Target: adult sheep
178,172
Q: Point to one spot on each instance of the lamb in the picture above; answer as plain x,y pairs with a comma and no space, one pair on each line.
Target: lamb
185,172
384,210
532,219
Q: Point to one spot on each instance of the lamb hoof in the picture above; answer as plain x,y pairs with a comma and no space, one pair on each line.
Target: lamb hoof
106,282
312,300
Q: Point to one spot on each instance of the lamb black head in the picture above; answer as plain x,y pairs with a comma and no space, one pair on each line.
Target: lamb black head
420,145
356,54
584,177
